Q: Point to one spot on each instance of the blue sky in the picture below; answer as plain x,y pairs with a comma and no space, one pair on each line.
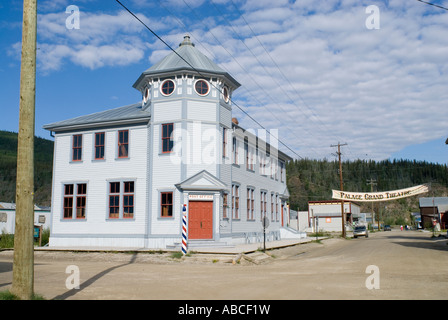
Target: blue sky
311,69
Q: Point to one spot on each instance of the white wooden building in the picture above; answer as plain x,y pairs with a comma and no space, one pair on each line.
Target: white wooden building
121,177
42,217
326,215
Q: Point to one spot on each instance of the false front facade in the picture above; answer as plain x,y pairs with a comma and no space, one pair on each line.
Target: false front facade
122,177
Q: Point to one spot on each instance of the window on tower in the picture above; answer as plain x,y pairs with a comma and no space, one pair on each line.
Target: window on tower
167,141
202,88
225,94
168,87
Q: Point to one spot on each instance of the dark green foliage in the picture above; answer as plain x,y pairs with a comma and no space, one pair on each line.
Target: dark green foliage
313,180
43,166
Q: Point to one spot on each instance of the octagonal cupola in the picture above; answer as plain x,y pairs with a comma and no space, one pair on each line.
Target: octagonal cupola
185,71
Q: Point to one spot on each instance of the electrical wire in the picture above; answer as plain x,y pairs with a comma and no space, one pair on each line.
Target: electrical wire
324,126
239,64
197,71
432,4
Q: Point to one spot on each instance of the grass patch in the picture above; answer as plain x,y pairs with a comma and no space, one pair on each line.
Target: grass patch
6,240
7,295
320,233
177,255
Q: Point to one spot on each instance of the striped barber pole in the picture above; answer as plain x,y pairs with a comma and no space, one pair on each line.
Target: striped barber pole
184,230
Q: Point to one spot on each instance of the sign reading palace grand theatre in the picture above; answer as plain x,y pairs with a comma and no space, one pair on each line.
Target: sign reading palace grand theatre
380,196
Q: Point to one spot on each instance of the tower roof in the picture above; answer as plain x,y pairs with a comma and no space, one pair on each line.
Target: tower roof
186,58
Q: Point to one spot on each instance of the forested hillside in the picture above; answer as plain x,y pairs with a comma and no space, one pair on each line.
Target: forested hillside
43,164
313,180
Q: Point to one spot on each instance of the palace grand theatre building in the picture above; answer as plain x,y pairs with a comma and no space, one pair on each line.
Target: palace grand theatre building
122,177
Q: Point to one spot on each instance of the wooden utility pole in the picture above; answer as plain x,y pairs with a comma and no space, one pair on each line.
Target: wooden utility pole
372,183
342,185
23,267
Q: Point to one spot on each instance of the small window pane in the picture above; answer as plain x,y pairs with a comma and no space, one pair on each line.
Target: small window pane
168,87
68,189
115,187
202,87
129,187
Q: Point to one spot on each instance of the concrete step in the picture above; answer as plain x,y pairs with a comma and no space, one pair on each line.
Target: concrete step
201,244
290,233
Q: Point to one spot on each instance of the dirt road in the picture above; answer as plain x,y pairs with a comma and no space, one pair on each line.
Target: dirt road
406,265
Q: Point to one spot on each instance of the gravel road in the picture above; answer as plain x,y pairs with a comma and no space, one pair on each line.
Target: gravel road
387,265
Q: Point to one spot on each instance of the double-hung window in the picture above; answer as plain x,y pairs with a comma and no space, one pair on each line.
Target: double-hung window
249,156
262,159
77,147
121,199
75,201
68,201
250,163
225,205
123,143
250,204
235,150
235,201
276,208
99,145
167,139
114,200
263,197
166,204
224,142
128,199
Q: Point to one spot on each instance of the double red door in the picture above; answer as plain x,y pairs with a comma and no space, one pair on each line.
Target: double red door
200,220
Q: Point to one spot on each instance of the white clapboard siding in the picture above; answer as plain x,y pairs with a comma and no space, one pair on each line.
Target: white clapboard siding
167,111
97,174
166,172
201,111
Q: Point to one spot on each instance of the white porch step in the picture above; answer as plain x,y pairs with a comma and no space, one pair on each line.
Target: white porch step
290,233
201,244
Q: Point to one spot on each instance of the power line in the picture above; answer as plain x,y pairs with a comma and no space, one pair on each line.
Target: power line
281,87
239,64
158,37
278,68
432,4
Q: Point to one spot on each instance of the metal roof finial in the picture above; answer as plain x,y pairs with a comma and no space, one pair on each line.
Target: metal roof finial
186,41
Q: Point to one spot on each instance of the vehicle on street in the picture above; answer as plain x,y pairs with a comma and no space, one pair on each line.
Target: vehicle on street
360,231
387,228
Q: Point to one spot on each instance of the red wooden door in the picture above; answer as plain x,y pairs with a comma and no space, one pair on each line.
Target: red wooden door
200,220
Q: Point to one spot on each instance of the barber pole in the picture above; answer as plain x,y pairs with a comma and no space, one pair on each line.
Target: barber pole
184,230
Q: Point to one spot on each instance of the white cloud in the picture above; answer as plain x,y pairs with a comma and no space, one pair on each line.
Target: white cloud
377,90
102,39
